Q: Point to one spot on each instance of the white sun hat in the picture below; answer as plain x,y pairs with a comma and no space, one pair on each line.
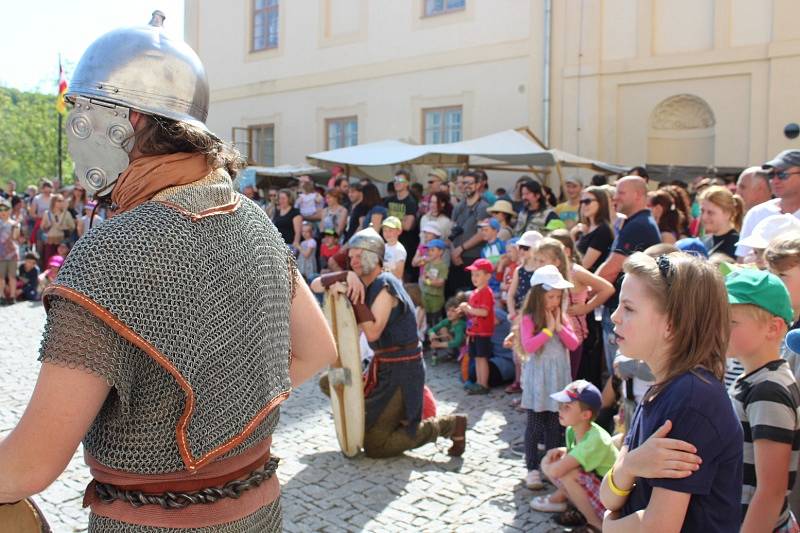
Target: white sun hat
550,278
768,229
530,239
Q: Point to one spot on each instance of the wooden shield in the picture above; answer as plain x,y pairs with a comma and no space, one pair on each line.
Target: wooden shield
22,517
346,383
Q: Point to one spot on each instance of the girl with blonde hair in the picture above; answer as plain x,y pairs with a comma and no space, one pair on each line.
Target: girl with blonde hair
721,213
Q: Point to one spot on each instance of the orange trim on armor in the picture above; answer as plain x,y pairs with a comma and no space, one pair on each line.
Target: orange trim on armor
194,217
134,338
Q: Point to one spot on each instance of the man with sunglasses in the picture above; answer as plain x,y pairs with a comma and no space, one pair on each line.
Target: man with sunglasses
784,179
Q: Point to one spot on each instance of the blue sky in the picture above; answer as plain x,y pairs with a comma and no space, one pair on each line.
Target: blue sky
32,34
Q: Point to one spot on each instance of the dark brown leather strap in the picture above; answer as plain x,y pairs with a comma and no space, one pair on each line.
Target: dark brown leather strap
333,277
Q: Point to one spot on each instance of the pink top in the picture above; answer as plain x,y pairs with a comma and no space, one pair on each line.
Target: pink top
532,342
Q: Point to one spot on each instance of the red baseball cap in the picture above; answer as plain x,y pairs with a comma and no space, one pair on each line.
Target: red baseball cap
481,264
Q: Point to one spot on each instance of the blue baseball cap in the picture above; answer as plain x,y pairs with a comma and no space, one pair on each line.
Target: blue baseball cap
437,243
580,391
693,246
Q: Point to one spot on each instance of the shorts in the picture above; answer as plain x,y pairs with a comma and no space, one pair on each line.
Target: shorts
480,347
8,268
591,486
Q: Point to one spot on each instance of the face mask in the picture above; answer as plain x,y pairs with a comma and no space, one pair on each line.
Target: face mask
99,138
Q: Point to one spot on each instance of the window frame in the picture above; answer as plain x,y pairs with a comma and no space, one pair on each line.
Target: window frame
445,10
443,128
251,149
344,120
266,11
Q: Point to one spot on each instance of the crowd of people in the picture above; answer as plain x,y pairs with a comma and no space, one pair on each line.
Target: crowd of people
37,230
611,314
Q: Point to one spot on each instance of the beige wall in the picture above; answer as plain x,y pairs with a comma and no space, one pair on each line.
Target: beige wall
733,64
379,60
740,57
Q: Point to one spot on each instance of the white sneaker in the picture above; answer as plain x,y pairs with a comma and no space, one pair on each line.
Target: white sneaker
545,505
534,480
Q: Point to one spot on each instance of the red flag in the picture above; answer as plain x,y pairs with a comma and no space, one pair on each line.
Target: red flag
62,90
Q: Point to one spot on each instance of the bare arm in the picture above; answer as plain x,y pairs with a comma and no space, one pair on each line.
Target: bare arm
612,267
297,222
398,269
772,461
313,346
602,290
342,221
381,308
512,292
665,513
36,452
408,222
590,257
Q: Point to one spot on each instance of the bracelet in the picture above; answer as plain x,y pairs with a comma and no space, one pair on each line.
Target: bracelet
616,490
547,332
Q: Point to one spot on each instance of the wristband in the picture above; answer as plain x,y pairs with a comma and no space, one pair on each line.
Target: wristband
616,490
547,332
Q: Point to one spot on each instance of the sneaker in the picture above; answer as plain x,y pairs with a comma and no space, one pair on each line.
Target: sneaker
534,480
478,389
545,505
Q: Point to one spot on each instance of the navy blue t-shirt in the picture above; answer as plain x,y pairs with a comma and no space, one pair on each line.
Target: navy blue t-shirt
638,233
702,414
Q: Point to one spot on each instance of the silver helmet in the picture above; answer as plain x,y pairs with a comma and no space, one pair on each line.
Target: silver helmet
131,69
369,240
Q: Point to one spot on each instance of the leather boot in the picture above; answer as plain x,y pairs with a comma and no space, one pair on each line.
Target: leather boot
458,436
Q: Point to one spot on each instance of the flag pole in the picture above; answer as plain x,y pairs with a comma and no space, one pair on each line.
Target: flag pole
58,170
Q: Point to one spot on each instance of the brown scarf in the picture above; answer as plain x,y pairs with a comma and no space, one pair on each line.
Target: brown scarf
149,175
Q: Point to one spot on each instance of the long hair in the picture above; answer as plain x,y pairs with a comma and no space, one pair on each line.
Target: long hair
732,204
555,250
534,307
161,135
603,215
670,220
563,236
683,204
371,196
445,207
692,294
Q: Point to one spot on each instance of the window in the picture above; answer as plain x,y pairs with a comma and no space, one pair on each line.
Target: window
257,143
341,132
441,125
440,7
265,25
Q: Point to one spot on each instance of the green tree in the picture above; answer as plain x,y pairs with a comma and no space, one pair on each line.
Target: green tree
28,138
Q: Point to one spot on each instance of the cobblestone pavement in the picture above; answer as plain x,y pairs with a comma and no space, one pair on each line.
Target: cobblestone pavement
322,490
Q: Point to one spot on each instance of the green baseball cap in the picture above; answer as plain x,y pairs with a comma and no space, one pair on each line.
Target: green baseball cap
762,289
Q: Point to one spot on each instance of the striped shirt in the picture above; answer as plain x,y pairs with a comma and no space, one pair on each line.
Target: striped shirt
767,402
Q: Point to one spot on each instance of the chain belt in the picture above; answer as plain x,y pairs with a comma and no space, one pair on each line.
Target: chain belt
108,493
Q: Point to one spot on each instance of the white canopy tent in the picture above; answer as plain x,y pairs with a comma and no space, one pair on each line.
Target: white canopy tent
511,150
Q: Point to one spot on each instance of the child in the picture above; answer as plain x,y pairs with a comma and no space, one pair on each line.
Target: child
566,258
49,275
28,278
9,252
330,247
309,202
674,315
307,258
448,336
506,267
394,255
783,259
415,294
429,232
480,311
545,338
766,398
493,249
578,469
518,289
434,276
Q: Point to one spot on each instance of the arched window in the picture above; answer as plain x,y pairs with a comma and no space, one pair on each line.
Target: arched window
681,132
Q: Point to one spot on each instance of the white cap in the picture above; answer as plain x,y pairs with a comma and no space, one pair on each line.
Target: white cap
530,239
432,228
768,229
549,278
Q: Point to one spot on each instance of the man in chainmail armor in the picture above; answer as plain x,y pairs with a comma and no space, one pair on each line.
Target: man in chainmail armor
394,382
176,328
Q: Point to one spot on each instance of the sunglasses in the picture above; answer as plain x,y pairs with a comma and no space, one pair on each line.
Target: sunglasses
523,247
586,201
783,176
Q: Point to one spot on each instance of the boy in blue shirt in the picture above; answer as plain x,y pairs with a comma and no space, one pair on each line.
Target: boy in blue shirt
493,249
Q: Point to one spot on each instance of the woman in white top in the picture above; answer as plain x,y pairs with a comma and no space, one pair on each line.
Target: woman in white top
438,214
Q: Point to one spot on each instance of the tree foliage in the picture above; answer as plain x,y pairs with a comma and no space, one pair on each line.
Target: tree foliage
28,138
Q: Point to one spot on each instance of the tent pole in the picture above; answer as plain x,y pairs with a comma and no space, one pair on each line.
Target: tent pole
560,177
